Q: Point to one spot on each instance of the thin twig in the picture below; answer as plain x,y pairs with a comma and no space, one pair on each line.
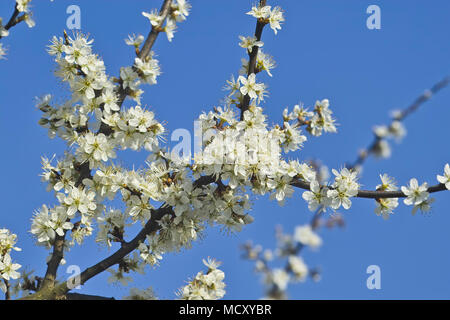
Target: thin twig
14,19
400,117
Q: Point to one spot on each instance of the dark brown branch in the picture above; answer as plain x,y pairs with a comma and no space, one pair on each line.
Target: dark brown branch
148,44
7,293
12,21
375,194
253,58
15,19
150,227
151,38
55,260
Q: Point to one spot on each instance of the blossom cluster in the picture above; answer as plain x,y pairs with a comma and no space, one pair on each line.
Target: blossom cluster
267,14
277,279
205,286
385,206
23,8
238,153
395,130
8,269
179,10
178,197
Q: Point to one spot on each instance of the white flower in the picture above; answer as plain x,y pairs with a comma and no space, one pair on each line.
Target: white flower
169,29
134,41
109,100
29,20
7,241
95,148
78,199
232,85
381,131
345,187
249,86
306,236
424,206
445,179
211,263
281,184
154,17
249,42
397,130
415,194
322,119
382,149
298,267
129,78
260,12
387,183
265,62
276,17
8,269
149,68
293,138
280,278
316,197
180,9
41,226
139,207
209,286
3,31
22,5
386,206
60,221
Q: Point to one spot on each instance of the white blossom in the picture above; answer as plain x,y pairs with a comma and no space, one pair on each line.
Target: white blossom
415,194
209,286
249,42
306,236
445,179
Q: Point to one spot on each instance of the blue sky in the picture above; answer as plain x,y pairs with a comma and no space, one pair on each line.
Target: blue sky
323,51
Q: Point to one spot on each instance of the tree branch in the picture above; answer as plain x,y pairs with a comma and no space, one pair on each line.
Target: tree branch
400,117
253,58
375,194
55,260
83,169
49,293
14,19
7,293
148,44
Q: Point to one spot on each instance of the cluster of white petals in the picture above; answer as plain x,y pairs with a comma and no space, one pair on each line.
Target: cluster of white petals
240,155
267,14
8,269
179,11
205,286
417,195
276,279
445,179
395,130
